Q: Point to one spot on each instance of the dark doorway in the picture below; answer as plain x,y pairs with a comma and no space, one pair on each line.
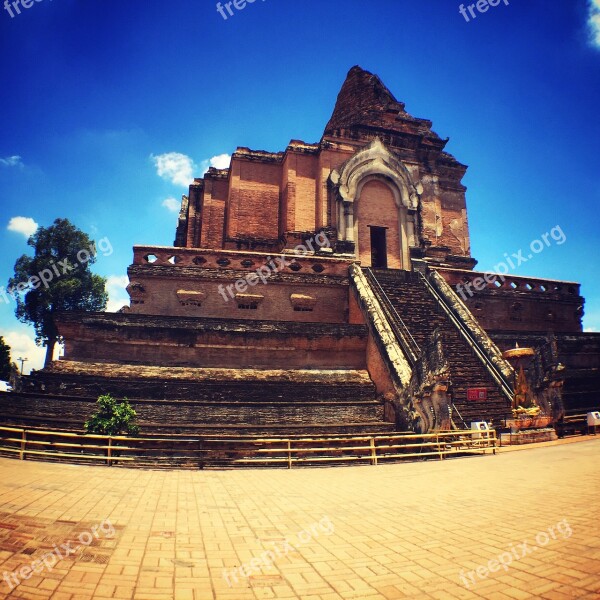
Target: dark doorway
378,248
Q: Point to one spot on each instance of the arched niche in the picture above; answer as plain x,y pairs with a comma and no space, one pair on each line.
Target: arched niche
353,182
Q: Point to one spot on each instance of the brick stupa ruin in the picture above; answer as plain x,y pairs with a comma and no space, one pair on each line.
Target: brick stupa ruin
355,325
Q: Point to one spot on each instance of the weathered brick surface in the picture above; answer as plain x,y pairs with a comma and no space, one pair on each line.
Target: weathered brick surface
272,194
376,207
196,400
514,303
196,342
191,416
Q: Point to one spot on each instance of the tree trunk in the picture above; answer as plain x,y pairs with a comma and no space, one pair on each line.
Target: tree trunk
49,352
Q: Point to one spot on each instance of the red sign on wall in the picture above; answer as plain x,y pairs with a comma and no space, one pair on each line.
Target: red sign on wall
476,393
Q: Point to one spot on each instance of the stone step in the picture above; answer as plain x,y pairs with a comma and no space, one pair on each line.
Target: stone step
421,313
152,413
69,378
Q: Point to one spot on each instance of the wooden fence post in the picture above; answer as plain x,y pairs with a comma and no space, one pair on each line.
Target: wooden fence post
373,451
23,444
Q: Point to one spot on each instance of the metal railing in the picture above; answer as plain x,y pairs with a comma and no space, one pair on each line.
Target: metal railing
480,352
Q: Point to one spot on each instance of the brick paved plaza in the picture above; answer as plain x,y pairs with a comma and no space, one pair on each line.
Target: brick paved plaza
366,533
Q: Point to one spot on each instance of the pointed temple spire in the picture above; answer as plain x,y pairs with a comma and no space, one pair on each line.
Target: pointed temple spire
362,101
365,103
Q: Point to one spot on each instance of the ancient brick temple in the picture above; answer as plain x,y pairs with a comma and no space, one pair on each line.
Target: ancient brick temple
314,289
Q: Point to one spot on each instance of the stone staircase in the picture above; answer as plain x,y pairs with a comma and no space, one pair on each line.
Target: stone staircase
422,314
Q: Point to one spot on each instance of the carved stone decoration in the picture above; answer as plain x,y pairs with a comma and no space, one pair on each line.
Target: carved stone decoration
376,159
303,302
249,301
548,378
137,292
376,162
430,388
190,297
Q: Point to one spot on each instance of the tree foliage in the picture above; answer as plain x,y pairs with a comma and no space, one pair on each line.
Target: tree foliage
57,278
5,362
112,418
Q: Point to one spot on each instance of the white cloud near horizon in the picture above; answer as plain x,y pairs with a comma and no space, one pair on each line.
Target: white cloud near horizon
12,161
23,345
594,22
117,294
171,204
23,225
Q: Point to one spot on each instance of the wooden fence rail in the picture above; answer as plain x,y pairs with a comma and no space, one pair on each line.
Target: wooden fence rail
201,452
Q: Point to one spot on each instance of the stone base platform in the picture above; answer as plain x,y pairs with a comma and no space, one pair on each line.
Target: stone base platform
528,436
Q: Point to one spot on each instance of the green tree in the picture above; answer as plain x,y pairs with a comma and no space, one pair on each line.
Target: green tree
5,362
57,278
112,418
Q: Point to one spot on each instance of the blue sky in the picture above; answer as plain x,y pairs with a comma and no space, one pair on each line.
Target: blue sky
95,93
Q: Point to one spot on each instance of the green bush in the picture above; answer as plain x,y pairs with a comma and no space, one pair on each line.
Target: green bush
113,418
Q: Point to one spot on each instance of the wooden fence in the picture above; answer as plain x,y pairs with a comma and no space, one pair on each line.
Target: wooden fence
231,451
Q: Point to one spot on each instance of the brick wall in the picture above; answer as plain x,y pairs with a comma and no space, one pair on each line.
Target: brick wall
161,340
376,207
519,303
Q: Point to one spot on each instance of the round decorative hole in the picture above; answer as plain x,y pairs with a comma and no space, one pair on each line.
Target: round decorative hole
295,267
199,260
247,263
223,262
318,268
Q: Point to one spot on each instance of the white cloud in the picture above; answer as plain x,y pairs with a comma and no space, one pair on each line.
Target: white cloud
117,295
175,167
23,345
24,225
180,169
221,161
594,22
11,161
172,204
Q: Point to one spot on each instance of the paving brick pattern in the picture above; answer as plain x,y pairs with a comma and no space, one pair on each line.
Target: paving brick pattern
399,531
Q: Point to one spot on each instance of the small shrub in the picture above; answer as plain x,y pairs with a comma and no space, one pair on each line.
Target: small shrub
112,418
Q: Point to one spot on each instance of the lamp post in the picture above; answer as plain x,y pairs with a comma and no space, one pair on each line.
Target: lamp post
22,361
